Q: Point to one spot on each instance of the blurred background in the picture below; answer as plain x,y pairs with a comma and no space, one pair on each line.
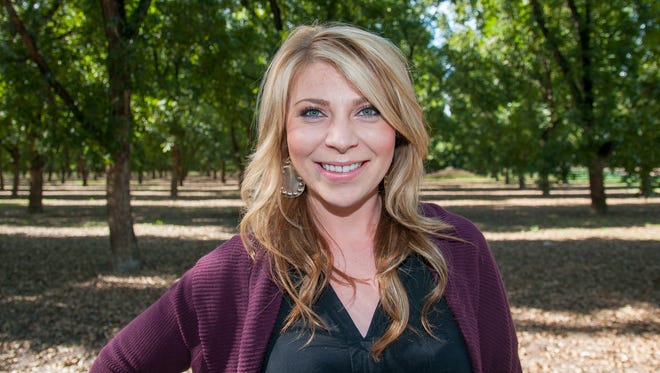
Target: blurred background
119,116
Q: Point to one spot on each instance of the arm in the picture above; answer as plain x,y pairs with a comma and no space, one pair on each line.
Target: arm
477,297
154,341
499,344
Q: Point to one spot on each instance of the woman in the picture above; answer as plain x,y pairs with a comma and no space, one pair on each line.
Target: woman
337,267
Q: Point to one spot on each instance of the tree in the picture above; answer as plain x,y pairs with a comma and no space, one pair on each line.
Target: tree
120,29
188,43
494,119
579,77
573,79
636,113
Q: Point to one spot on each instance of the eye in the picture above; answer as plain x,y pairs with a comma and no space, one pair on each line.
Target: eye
368,111
311,113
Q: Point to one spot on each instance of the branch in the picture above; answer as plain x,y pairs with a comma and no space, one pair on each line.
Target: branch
63,36
246,5
112,20
121,11
40,61
53,9
583,29
552,44
277,15
575,14
138,16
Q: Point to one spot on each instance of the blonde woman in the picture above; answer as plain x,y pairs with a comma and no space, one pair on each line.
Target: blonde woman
338,266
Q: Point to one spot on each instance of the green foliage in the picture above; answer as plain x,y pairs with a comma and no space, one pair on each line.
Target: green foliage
494,97
513,106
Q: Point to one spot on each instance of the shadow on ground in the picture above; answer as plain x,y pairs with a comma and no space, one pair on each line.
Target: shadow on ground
60,291
506,218
54,291
86,216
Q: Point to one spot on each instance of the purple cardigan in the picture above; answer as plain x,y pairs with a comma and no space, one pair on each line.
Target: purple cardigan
219,316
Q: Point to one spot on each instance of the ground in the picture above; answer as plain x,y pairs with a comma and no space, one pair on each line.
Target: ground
584,289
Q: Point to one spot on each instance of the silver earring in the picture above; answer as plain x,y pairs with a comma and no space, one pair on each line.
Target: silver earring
292,184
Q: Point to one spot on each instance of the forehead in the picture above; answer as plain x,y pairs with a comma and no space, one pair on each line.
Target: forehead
322,79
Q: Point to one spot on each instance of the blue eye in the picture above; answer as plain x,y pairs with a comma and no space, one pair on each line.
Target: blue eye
311,113
369,111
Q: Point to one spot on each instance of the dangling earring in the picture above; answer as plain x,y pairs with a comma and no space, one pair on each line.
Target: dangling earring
292,184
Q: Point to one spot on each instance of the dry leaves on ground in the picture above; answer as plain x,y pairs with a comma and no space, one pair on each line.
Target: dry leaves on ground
584,289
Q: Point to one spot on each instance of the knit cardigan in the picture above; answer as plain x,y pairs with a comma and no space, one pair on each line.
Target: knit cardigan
219,316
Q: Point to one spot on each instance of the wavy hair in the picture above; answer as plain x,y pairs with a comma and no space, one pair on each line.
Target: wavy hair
301,262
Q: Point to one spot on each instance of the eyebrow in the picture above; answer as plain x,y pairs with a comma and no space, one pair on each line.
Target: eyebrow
322,102
317,101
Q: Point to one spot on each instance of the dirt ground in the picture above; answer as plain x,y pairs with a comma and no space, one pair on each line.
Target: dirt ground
584,289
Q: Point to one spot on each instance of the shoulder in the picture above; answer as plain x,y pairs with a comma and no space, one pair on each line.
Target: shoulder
227,270
461,227
463,245
230,254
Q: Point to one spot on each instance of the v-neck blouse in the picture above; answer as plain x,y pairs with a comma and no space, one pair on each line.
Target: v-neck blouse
341,348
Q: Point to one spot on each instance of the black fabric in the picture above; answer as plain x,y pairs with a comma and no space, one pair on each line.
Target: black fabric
342,348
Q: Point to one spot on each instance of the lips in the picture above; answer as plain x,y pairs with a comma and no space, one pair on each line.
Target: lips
341,168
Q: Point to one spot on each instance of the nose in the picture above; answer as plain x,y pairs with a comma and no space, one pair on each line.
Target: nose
341,135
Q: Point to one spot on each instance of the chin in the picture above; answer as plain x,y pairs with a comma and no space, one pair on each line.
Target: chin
347,200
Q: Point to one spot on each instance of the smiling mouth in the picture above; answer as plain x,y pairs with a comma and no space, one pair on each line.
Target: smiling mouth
341,169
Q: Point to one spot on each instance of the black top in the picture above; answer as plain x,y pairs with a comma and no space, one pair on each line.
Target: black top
343,349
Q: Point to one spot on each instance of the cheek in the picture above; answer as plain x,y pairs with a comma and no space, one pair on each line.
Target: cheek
299,144
383,141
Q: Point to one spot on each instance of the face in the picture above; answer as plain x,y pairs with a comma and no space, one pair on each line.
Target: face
337,141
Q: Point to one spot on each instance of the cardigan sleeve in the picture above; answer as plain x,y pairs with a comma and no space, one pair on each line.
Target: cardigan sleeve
476,295
154,341
216,318
498,341
170,335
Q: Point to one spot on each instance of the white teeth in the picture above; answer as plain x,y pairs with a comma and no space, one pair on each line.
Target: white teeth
347,168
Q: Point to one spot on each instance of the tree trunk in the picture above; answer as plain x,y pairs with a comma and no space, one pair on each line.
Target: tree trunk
597,185
521,180
238,158
174,181
35,204
123,243
223,172
645,182
2,179
82,170
37,164
15,160
544,183
120,220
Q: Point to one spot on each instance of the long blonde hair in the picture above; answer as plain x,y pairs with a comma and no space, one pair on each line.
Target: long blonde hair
301,261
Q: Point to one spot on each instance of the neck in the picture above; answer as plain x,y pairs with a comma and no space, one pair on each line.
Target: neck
358,221
350,236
